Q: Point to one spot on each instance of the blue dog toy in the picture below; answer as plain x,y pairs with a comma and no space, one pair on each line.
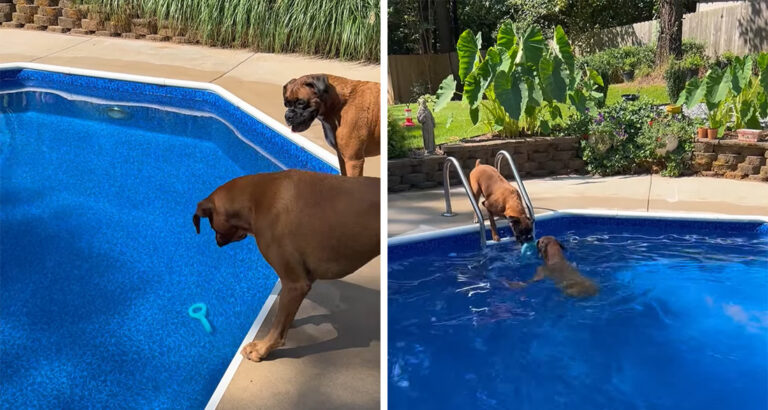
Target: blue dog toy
198,311
528,248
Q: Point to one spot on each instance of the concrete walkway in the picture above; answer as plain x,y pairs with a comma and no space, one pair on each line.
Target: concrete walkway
420,211
331,359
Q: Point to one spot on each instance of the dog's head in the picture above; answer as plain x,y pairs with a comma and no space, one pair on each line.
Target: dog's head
304,100
521,226
545,243
229,224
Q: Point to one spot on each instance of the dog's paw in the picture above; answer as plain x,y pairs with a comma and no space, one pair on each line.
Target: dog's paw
496,238
255,351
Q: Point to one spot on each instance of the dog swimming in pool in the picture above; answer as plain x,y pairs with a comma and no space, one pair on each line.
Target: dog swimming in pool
570,281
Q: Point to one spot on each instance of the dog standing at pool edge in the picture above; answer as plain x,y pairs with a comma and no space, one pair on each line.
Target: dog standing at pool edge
501,198
347,109
307,225
556,267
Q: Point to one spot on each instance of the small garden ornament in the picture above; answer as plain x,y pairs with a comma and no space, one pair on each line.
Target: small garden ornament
427,122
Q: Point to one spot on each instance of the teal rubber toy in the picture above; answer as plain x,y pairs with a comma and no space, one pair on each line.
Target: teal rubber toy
198,311
529,248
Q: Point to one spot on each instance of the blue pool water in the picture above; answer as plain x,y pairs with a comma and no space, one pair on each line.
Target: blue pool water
99,260
681,320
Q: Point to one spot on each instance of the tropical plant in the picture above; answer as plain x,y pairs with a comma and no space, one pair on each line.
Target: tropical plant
732,94
528,86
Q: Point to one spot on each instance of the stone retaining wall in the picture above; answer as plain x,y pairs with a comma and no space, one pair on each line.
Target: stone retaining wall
64,16
534,157
731,159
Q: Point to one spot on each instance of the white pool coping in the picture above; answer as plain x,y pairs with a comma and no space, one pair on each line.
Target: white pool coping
696,216
275,125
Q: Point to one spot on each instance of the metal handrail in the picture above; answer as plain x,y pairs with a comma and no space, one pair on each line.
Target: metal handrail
447,192
526,199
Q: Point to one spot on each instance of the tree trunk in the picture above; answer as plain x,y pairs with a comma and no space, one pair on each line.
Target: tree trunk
445,38
670,42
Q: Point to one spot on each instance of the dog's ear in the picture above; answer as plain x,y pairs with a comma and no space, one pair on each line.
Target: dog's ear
319,83
540,247
285,86
204,210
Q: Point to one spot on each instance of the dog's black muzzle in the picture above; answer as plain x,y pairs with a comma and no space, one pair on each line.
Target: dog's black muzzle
300,120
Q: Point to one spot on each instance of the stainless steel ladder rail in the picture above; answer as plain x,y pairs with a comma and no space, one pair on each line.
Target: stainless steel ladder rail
526,199
447,192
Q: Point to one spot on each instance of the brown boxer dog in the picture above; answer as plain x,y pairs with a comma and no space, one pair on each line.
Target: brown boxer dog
501,199
347,109
307,225
556,267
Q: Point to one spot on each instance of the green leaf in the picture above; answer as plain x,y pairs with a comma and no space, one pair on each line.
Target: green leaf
531,47
559,81
467,51
595,77
506,60
509,93
546,66
687,96
476,83
563,49
762,60
763,64
506,36
578,100
448,121
474,115
479,40
493,57
445,92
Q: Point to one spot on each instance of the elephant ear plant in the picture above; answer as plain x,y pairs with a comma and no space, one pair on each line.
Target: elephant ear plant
522,83
732,94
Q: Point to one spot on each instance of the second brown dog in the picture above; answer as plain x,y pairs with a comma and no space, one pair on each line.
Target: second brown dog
347,109
556,267
501,199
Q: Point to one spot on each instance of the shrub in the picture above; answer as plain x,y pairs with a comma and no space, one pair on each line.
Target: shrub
612,147
675,75
693,62
693,47
666,143
396,139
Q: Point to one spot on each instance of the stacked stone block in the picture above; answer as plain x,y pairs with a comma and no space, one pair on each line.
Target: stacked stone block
731,159
23,14
534,157
40,14
7,8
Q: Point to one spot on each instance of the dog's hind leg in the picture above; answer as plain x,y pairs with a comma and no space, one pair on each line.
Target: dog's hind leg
291,296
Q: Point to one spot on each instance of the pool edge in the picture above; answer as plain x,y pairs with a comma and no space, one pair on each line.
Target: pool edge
226,378
270,122
440,233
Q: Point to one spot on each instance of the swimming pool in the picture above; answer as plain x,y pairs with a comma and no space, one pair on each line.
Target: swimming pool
99,259
681,321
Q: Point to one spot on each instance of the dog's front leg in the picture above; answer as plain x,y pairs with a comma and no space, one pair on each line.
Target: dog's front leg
290,299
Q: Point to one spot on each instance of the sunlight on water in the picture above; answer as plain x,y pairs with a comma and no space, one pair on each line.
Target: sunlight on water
681,321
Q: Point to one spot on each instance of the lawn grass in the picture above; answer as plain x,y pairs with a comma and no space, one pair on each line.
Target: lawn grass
445,130
461,126
655,92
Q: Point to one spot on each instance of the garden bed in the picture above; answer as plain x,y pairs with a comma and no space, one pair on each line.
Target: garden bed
534,157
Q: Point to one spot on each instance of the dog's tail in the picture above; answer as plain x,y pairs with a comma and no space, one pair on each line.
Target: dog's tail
477,163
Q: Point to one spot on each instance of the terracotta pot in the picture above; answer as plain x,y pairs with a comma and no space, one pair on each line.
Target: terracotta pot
712,133
701,132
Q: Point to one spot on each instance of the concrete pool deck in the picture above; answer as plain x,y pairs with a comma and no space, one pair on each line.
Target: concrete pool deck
331,358
420,211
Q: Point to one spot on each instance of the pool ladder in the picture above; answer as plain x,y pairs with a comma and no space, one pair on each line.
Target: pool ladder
451,161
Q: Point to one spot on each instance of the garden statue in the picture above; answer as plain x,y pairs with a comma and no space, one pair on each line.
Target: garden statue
427,122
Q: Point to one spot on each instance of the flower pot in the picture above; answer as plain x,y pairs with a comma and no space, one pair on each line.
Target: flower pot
701,132
712,133
674,109
628,75
748,135
692,72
